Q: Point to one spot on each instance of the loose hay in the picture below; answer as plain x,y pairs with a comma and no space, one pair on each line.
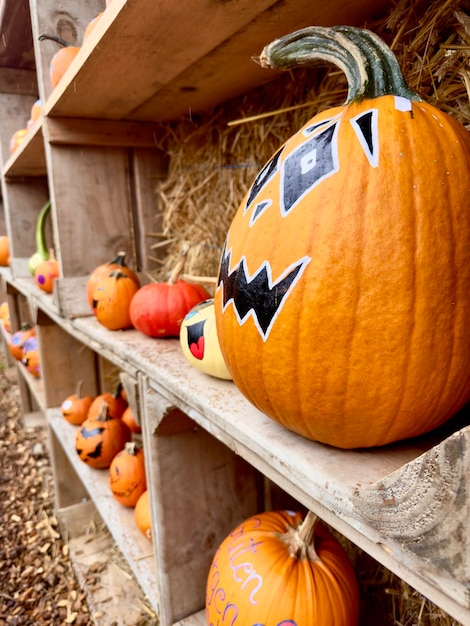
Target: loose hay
216,156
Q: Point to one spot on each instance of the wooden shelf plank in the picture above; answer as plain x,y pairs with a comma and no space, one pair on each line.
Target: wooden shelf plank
198,619
120,520
29,159
324,479
208,52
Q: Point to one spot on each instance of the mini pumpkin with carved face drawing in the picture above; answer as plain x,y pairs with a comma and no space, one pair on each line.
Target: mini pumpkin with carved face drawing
199,341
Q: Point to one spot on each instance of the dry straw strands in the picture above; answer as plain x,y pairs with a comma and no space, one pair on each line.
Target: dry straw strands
215,157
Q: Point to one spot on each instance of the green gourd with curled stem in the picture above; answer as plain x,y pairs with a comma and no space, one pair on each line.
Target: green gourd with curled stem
42,251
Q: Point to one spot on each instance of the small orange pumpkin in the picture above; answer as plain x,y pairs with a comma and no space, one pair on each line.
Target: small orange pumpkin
129,419
104,270
112,299
46,273
62,58
4,250
5,316
17,138
91,26
76,406
142,515
275,568
99,439
18,339
127,475
36,110
30,358
114,401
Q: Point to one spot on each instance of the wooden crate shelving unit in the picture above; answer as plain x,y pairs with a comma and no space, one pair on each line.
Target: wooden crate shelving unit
93,153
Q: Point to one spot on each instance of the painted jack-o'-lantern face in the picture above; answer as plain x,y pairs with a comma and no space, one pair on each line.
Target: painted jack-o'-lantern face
343,301
199,341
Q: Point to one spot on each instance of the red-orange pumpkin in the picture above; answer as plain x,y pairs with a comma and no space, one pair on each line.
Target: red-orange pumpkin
76,406
104,270
99,439
112,300
127,475
343,301
275,570
142,515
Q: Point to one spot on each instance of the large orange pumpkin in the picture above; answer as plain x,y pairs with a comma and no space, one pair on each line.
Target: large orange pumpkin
274,569
343,300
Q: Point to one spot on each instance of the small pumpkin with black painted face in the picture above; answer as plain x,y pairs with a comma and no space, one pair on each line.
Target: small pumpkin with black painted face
112,300
347,264
99,439
199,341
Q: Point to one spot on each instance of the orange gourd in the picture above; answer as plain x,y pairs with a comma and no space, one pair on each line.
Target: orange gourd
142,515
127,475
4,250
99,439
30,358
90,27
274,569
104,270
46,273
129,419
114,401
343,299
5,316
76,406
112,300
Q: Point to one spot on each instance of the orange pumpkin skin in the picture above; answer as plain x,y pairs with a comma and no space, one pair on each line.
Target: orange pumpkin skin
254,579
112,300
4,251
127,475
17,138
142,515
103,270
46,273
60,63
370,338
98,440
30,358
114,401
129,419
75,407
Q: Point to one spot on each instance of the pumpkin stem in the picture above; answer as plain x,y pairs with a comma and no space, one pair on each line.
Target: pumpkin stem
131,448
300,540
370,66
55,38
176,272
78,393
120,259
103,415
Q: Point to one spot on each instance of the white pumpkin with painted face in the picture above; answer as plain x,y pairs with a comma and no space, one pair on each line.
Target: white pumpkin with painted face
199,341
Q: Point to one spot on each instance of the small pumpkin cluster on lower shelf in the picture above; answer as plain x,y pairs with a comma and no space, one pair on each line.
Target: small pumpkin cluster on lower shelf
21,133
24,347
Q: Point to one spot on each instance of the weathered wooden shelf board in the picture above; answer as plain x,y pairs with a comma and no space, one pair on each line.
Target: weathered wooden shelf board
28,160
353,490
135,547
208,54
35,385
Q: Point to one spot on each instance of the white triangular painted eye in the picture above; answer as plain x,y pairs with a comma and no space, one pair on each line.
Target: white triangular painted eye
366,128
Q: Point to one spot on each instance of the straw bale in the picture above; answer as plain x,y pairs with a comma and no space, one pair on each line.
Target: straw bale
215,157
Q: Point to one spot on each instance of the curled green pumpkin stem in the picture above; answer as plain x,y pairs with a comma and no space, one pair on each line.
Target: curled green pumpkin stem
370,66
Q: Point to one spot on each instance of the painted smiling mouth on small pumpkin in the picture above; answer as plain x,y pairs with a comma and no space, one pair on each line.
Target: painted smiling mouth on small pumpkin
196,339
